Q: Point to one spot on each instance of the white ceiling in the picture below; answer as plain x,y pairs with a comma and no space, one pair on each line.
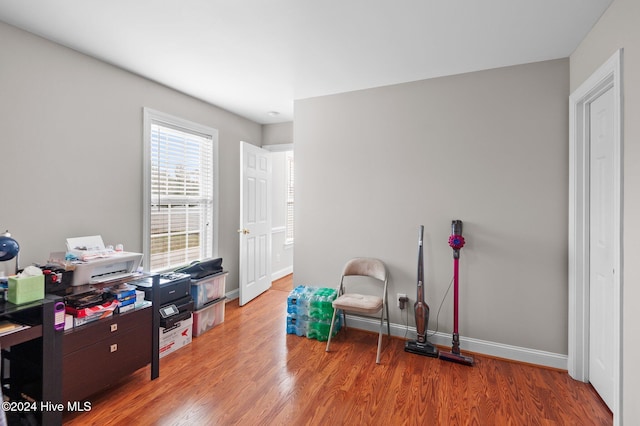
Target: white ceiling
256,56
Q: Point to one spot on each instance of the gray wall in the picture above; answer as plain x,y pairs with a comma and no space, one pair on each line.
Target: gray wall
618,28
71,149
276,134
489,148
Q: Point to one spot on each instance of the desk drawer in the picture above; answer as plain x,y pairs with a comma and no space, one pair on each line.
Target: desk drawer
103,363
111,327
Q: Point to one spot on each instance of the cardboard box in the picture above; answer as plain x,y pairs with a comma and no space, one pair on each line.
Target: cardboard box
25,289
208,317
176,337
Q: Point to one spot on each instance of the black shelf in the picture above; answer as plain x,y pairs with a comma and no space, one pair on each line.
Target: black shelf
35,354
35,358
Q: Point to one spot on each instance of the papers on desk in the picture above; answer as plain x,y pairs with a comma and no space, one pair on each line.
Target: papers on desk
88,248
8,327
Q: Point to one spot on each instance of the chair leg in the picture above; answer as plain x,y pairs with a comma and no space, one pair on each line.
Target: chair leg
344,319
380,337
388,325
333,320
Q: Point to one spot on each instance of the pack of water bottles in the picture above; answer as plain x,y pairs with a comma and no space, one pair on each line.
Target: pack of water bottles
309,312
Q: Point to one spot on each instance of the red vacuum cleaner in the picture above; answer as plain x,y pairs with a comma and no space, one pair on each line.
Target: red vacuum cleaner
421,345
456,241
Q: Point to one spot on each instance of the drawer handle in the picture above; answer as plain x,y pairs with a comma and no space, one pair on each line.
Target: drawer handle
113,347
114,327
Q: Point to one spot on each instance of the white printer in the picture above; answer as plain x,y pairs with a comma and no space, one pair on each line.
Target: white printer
97,263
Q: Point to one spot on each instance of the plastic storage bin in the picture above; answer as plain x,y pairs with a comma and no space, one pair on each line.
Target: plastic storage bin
208,317
208,289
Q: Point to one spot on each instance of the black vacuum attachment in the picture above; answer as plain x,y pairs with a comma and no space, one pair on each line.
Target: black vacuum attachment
421,345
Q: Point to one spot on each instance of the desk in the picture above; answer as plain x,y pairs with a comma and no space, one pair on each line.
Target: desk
35,354
35,357
97,355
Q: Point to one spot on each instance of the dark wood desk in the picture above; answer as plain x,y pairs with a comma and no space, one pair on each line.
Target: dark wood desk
35,360
97,355
35,355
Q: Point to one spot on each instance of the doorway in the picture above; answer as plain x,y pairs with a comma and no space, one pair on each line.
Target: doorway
282,208
255,222
595,233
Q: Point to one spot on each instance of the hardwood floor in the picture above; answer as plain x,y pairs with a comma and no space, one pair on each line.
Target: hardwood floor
248,371
283,284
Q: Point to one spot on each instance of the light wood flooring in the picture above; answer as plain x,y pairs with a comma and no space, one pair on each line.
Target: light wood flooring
248,371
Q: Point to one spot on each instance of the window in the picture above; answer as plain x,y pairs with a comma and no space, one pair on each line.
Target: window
290,196
180,191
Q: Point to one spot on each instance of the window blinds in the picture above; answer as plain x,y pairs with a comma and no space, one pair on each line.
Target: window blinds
181,196
290,199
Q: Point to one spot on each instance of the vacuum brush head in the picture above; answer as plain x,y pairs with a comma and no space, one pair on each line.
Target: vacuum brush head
457,358
426,349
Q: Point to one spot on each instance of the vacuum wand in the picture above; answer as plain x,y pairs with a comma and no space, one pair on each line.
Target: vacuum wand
421,309
421,345
456,242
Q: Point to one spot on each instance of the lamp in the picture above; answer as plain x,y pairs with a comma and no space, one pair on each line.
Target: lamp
9,248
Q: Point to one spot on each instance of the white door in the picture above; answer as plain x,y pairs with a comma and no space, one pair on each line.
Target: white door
255,222
601,247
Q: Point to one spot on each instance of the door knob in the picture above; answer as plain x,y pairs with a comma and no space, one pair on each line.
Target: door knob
244,231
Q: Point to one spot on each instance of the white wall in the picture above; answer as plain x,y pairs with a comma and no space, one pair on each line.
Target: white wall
489,148
71,149
618,28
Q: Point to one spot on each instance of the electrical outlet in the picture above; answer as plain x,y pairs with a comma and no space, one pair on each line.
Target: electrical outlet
402,300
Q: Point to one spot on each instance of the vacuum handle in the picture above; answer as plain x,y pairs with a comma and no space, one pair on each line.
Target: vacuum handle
420,264
456,240
456,227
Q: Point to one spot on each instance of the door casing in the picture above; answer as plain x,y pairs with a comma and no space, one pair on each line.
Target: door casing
606,77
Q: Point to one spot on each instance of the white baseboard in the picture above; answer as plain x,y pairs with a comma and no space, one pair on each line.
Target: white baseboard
483,347
233,294
281,273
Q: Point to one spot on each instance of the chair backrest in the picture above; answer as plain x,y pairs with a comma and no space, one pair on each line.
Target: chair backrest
367,267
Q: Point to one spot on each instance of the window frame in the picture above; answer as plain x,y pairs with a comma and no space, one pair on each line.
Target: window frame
150,117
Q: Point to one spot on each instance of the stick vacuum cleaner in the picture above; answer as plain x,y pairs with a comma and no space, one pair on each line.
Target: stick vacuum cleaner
456,241
421,346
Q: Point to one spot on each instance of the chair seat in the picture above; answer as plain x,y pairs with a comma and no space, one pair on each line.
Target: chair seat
355,302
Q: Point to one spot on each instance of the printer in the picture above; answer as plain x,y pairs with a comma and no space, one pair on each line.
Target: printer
97,264
113,267
176,303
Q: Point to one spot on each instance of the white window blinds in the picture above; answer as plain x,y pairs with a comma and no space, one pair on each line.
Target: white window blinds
290,199
181,195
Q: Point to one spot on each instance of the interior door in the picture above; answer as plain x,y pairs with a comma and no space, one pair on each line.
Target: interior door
601,250
255,222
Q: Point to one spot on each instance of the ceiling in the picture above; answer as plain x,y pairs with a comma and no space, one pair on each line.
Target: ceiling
253,57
